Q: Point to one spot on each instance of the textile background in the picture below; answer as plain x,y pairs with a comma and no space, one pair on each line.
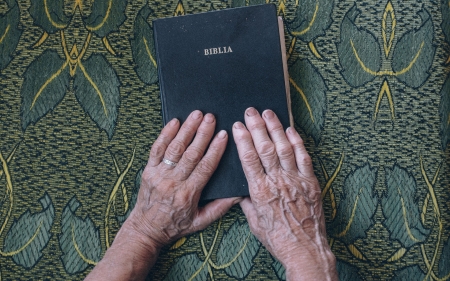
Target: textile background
80,108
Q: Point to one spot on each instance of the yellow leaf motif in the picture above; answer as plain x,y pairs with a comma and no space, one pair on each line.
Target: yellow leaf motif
54,23
352,216
387,44
148,52
179,243
179,10
311,22
4,34
384,89
97,90
397,255
356,252
97,27
300,91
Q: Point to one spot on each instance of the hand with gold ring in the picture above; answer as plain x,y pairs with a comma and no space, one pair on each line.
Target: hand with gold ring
181,162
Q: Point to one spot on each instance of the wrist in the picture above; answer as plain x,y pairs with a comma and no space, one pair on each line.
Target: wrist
130,257
132,234
311,265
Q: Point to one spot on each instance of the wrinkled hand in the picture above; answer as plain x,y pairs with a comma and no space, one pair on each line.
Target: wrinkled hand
285,210
167,204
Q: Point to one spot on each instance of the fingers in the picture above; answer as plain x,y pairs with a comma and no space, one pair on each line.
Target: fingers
263,144
302,158
282,145
251,214
159,147
184,136
208,164
213,211
194,153
247,152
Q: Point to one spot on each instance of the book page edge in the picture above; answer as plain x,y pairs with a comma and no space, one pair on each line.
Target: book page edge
285,70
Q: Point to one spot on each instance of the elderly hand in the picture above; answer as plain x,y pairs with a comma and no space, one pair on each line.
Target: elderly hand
167,205
180,165
284,210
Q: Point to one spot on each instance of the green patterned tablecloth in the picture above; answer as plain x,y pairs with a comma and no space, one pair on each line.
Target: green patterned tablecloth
80,108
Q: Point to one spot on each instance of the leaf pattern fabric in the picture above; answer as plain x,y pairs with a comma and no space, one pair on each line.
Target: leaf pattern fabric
312,19
359,51
189,266
400,208
79,98
238,248
97,89
49,15
358,204
414,52
45,85
308,93
79,240
30,233
9,33
143,48
106,16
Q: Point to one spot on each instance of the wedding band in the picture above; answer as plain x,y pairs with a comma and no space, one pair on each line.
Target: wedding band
168,162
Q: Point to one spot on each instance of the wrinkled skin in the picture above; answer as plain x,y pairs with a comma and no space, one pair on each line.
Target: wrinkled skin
285,210
167,205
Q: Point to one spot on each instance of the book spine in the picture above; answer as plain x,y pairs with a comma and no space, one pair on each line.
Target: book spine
160,76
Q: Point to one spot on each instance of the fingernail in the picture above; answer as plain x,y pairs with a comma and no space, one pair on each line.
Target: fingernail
209,118
196,114
173,122
238,125
269,114
291,130
251,111
222,134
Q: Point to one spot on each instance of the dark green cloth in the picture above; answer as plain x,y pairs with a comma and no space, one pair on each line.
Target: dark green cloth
80,108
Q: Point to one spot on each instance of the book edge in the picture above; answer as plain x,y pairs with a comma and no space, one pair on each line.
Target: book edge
160,77
285,70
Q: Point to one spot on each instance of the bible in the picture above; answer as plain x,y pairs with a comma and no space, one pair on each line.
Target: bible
222,62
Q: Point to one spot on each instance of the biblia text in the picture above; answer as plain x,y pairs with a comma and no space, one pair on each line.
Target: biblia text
219,50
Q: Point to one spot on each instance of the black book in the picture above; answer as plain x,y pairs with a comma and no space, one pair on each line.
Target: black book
223,62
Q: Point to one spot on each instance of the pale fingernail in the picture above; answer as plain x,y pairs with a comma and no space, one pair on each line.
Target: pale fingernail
238,125
269,114
173,122
222,134
251,111
196,114
209,118
290,130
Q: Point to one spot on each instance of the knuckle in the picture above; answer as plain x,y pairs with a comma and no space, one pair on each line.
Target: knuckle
250,157
176,148
266,149
193,155
257,126
277,128
157,150
299,144
205,168
285,151
203,133
304,160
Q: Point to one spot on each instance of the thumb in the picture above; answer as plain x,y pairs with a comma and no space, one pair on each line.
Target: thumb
213,211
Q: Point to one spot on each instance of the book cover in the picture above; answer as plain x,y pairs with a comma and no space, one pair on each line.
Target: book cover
222,62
